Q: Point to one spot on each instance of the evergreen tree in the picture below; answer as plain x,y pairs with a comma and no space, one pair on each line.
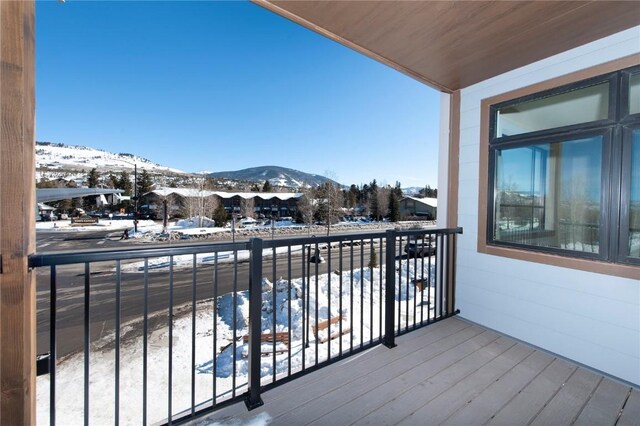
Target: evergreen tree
398,190
220,216
93,178
352,196
124,183
267,186
373,258
113,181
145,183
394,206
255,188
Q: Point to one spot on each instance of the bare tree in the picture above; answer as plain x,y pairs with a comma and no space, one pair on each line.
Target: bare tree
247,207
209,205
379,202
307,207
330,201
201,203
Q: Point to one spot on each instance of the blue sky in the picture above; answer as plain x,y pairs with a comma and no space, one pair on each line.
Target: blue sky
224,86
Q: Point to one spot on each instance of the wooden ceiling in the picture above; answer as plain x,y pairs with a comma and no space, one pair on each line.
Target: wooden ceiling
454,44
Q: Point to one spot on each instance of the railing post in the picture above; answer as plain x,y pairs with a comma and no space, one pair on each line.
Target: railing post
453,259
390,290
253,399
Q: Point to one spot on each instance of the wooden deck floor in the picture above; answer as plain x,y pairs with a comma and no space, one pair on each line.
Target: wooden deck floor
452,372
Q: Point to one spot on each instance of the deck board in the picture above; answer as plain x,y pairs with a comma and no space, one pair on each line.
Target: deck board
605,404
567,404
390,402
341,409
440,408
631,413
528,402
451,372
480,409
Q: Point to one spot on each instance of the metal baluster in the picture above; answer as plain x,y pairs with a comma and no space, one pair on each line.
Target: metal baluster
351,297
316,297
87,337
170,381
429,284
340,300
145,331
329,273
53,296
273,306
117,351
215,327
194,263
305,311
361,293
371,295
289,287
234,319
383,253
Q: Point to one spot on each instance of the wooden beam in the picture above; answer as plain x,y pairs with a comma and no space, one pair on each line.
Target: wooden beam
453,168
17,210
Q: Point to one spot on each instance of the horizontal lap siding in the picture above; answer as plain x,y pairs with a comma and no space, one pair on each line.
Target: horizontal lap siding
591,318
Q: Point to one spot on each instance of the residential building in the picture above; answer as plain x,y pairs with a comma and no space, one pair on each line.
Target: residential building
419,207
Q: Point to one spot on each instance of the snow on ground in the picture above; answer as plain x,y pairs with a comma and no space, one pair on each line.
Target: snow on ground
215,350
103,224
187,260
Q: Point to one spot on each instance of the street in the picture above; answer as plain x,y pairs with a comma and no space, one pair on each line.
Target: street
70,288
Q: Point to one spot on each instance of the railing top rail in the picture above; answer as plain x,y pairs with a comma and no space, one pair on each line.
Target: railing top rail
405,232
295,241
283,242
75,257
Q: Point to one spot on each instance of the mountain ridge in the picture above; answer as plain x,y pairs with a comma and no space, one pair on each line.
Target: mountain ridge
276,175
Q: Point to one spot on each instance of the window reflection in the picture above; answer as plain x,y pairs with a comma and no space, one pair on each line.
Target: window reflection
634,202
578,106
634,94
548,195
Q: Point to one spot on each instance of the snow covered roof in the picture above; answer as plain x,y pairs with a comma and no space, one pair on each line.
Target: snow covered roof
432,202
194,192
43,207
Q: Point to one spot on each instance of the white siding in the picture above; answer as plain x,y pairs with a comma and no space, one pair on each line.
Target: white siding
591,318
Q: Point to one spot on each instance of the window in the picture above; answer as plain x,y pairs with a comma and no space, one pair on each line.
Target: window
564,170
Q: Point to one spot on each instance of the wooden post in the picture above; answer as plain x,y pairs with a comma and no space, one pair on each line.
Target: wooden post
17,213
452,199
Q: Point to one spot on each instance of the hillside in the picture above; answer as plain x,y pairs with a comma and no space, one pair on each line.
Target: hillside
56,160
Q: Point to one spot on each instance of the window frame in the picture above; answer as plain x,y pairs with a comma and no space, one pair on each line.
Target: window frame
615,168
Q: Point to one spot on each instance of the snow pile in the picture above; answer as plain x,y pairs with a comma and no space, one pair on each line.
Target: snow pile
359,301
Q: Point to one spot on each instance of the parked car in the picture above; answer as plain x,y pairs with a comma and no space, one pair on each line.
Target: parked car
46,217
419,247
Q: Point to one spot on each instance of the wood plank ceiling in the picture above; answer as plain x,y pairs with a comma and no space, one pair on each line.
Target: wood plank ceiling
451,45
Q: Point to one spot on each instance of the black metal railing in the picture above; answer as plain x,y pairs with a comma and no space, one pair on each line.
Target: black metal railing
164,335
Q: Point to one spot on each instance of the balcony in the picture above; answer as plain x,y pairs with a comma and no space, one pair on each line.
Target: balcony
452,372
324,334
164,335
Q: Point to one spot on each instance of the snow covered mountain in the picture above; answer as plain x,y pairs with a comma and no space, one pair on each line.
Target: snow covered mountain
412,190
54,160
277,176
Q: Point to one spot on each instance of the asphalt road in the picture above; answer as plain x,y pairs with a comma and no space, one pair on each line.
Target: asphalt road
70,289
